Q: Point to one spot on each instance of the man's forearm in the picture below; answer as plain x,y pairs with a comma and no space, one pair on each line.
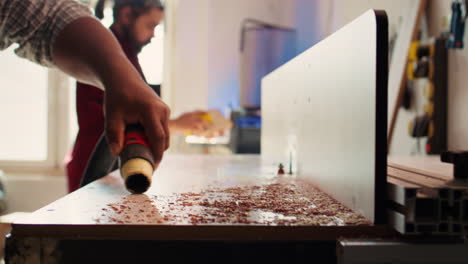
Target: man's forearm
89,52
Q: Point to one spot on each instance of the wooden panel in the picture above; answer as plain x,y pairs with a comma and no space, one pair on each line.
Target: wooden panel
104,209
415,178
427,165
325,112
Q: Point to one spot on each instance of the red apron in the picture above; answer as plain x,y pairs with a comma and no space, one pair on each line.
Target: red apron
90,115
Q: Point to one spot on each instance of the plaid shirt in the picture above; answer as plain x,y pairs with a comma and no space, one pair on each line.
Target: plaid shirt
35,24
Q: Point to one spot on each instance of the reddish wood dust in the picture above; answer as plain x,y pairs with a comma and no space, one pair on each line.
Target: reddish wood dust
290,203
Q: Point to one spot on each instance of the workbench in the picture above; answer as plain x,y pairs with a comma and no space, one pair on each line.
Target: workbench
76,229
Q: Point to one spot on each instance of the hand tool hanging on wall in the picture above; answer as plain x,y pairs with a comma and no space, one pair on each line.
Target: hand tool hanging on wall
420,127
418,51
429,61
408,95
420,64
420,69
457,24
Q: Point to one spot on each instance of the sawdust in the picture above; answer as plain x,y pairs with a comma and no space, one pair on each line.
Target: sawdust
279,203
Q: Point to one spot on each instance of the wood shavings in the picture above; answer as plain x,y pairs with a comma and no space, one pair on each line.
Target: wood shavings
279,203
132,209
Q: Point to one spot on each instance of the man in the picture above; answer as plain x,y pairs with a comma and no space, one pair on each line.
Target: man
134,24
63,34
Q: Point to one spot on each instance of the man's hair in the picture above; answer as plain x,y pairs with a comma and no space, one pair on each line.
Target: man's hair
138,7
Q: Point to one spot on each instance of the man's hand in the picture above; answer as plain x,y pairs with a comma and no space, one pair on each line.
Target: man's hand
90,53
128,103
190,122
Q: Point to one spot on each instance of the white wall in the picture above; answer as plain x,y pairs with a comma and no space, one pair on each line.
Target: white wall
317,19
397,10
225,20
313,22
188,73
205,55
457,78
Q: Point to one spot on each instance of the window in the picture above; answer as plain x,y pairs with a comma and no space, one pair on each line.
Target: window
152,57
23,109
35,119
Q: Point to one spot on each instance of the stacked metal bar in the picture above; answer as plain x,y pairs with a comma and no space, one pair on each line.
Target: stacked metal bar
426,203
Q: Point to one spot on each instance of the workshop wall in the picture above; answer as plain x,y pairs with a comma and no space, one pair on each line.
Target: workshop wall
205,49
397,11
206,54
186,78
457,77
313,22
437,22
205,70
225,24
316,20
